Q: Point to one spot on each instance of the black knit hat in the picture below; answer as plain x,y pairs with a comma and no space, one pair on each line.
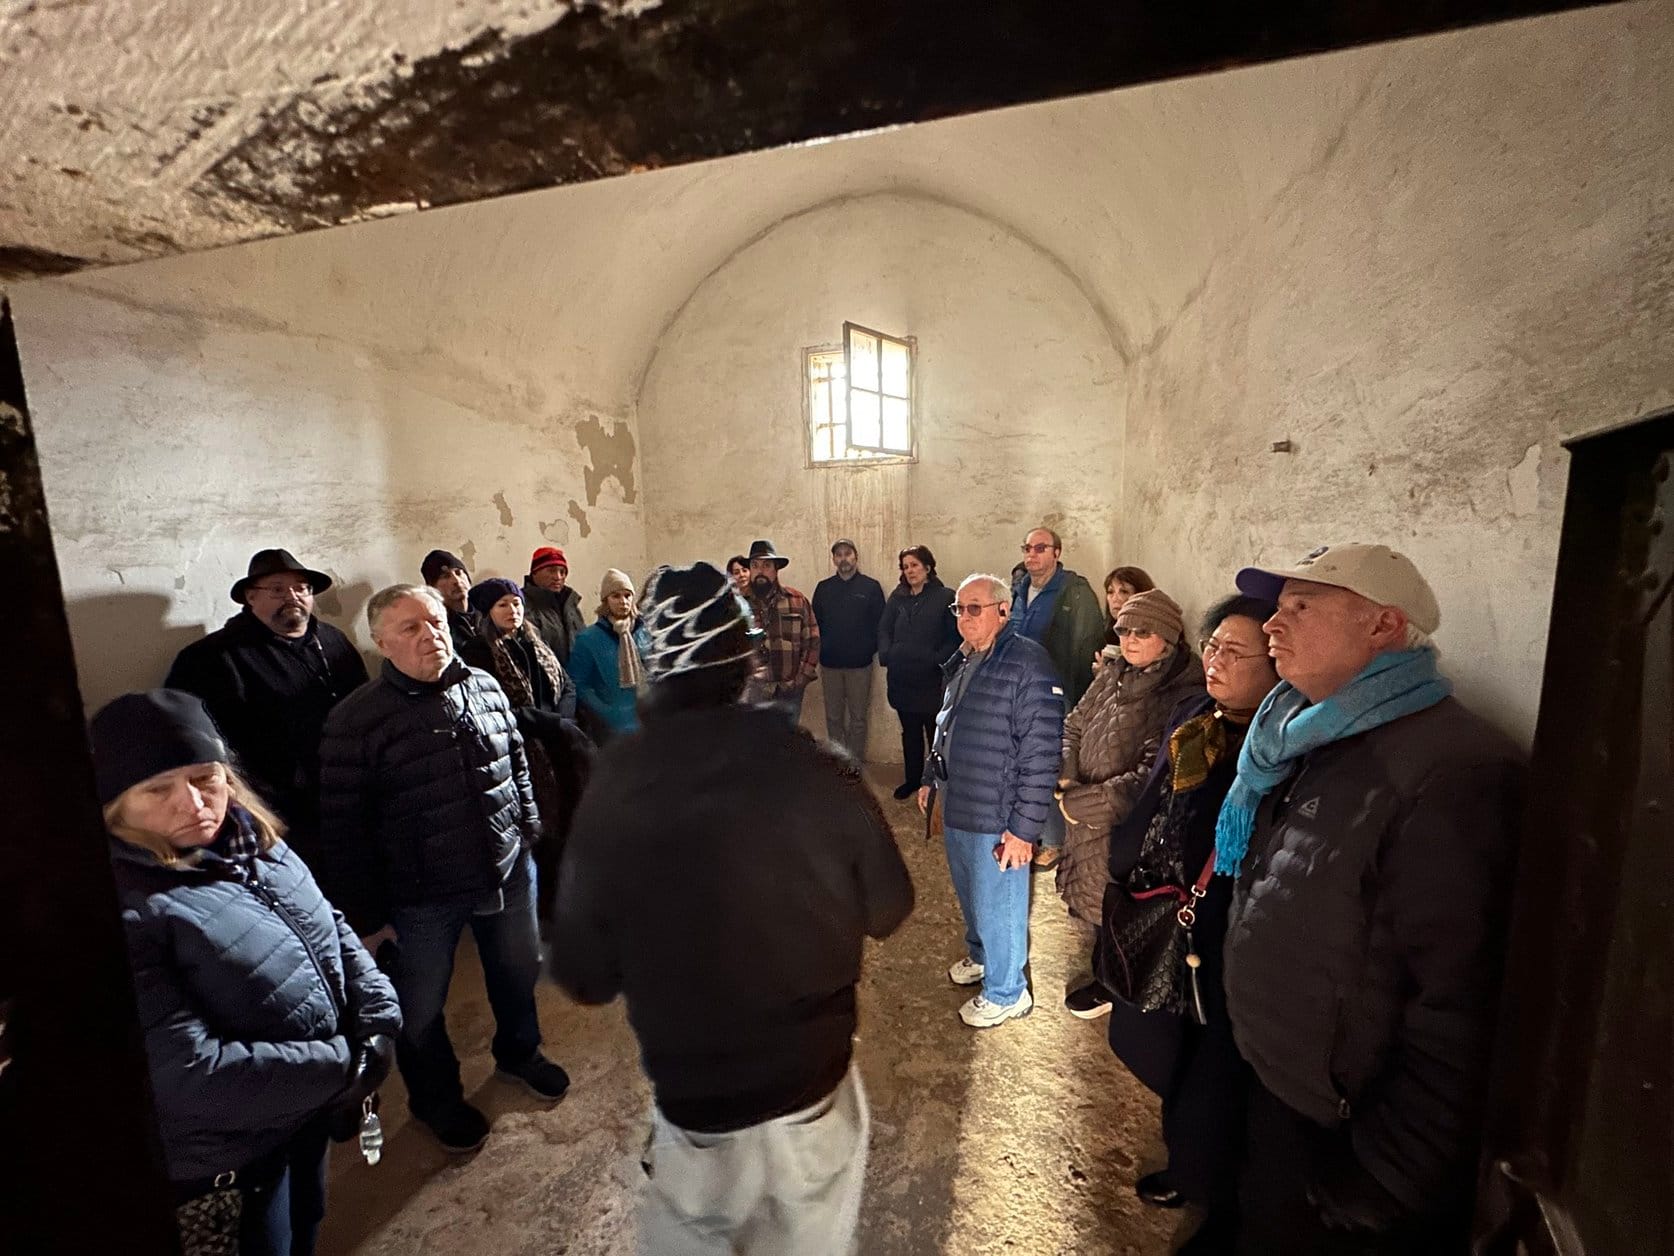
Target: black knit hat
696,620
139,735
485,593
437,562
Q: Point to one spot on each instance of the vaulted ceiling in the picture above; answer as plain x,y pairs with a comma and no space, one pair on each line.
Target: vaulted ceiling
144,128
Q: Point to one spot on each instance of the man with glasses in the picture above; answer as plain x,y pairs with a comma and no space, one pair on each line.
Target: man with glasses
1058,608
994,761
269,677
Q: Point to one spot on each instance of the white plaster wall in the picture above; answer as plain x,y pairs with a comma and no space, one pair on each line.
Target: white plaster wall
317,393
1020,403
1478,266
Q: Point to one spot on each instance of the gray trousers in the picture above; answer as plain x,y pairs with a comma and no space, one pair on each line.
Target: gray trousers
785,1187
848,704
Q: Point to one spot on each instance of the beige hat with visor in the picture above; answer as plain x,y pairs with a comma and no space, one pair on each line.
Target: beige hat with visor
1375,572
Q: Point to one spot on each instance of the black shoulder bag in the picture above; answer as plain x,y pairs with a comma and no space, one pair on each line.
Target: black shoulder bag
1145,956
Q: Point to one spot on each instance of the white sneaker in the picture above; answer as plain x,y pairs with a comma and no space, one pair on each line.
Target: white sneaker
965,971
979,1013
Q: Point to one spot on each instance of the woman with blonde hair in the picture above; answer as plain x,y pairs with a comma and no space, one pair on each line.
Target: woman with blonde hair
264,1017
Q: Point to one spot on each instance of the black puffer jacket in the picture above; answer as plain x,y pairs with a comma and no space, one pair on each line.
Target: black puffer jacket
424,792
556,616
270,696
917,635
1364,946
251,994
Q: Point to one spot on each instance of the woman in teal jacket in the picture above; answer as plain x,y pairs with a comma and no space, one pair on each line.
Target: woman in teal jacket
608,658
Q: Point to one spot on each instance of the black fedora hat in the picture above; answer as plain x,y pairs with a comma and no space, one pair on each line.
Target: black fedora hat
270,562
764,549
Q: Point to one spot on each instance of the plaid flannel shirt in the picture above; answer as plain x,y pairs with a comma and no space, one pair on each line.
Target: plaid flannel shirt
792,638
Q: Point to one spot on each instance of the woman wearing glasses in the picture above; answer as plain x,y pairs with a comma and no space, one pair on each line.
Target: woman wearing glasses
915,637
1167,839
1110,740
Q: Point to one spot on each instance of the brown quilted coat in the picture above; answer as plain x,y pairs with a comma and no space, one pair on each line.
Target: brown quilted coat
1110,740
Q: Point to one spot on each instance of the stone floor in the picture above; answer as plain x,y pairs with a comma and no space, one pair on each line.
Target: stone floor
1020,1139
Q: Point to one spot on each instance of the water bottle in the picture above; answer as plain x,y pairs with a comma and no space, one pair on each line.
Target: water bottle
371,1133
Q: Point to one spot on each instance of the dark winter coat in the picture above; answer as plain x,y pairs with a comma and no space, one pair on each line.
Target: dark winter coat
1148,1041
1075,632
556,616
722,874
916,636
1110,741
1365,942
425,793
251,997
463,626
1001,736
847,612
270,696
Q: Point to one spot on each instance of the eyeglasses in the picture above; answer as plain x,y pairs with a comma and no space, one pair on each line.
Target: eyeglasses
283,590
970,609
1040,547
1138,634
1215,649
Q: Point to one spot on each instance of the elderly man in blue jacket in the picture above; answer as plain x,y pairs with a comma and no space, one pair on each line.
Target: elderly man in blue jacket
995,761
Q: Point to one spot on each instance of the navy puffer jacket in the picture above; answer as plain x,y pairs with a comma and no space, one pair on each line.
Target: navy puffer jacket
1001,737
252,991
424,792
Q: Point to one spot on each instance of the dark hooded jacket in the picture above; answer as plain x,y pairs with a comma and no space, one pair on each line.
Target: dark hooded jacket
556,616
270,696
425,793
916,636
737,945
1074,633
1366,936
252,993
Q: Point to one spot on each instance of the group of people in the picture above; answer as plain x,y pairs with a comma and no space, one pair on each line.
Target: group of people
1286,849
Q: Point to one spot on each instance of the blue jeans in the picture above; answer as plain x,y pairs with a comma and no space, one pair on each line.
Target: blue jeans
1052,834
283,1219
996,909
427,935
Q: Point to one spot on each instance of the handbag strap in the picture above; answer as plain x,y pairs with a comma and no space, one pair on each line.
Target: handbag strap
1187,915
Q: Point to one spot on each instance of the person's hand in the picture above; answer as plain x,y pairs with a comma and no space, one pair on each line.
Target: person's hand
924,798
1013,852
373,941
1064,783
1064,811
1098,661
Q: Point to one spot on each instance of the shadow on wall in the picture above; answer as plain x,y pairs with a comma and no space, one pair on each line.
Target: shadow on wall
122,643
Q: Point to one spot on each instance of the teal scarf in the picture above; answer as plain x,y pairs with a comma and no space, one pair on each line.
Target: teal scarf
1287,726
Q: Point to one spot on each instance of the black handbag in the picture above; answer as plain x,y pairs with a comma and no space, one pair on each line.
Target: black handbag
1145,956
208,1224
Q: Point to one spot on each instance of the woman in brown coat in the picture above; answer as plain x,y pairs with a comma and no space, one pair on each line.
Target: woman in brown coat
1110,740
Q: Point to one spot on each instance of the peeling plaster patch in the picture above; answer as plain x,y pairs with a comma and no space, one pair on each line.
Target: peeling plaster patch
499,500
179,583
611,455
580,516
1524,482
556,530
468,552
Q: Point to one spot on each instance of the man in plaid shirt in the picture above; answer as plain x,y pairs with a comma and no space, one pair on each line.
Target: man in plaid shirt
791,637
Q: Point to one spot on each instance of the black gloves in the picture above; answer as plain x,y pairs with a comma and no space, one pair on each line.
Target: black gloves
371,1064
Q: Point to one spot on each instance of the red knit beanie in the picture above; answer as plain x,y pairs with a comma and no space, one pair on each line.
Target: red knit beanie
548,556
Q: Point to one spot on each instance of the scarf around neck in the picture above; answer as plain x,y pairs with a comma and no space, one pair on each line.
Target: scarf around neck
630,668
1287,726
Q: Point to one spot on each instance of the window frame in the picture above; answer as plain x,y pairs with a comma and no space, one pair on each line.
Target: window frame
908,345
862,458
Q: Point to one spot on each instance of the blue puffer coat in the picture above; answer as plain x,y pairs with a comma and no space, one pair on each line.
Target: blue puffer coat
1003,739
251,996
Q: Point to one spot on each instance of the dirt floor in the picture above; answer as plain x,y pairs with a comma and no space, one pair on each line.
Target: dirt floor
1021,1139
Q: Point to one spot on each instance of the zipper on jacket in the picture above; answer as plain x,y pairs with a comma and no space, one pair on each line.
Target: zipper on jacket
266,895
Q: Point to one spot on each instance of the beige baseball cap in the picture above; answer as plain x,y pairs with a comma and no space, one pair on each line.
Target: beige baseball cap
1375,572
